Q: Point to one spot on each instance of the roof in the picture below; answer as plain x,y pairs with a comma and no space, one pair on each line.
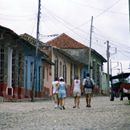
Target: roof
64,41
98,55
7,30
31,39
120,76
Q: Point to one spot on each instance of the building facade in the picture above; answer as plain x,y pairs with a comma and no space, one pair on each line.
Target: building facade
19,68
80,53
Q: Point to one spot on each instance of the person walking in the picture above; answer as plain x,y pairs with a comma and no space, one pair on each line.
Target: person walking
76,92
88,85
55,86
62,93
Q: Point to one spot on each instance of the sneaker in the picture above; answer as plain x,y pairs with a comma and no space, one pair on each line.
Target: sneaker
78,107
56,106
63,108
60,107
88,105
74,106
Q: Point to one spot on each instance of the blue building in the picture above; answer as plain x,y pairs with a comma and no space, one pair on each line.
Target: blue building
18,71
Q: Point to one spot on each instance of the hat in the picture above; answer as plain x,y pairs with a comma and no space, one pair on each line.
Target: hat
61,78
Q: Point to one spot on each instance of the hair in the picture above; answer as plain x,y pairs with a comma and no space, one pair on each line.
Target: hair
61,79
56,79
88,75
76,77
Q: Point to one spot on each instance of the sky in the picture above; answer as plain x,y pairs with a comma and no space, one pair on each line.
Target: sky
73,17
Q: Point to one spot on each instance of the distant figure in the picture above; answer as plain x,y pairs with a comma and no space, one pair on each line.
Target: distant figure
55,86
88,85
76,92
62,93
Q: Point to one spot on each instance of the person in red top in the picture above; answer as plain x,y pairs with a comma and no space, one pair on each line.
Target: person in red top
76,92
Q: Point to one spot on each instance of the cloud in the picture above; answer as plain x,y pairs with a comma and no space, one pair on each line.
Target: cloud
72,17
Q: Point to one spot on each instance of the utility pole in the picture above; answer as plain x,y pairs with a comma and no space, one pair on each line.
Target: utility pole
89,58
36,53
129,13
108,56
111,61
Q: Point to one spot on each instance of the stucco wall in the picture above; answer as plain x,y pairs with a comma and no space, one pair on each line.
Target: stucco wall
78,54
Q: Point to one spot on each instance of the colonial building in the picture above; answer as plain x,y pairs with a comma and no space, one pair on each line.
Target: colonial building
45,75
20,70
65,66
80,53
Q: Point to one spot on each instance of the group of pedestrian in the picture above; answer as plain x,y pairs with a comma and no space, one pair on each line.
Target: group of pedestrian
60,89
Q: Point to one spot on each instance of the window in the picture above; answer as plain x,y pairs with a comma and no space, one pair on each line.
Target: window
94,69
75,70
26,73
56,68
2,65
98,74
31,71
60,68
14,78
39,84
64,72
20,69
47,71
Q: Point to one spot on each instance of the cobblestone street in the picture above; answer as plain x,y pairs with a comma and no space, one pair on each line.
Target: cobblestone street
41,115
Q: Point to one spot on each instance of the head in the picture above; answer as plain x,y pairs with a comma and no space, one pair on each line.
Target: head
61,79
76,77
88,75
56,79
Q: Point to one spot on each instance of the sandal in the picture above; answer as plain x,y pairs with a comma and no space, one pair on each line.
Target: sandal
74,106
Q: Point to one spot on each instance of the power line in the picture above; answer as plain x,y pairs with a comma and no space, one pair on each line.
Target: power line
112,41
104,11
65,23
96,8
17,18
63,20
68,24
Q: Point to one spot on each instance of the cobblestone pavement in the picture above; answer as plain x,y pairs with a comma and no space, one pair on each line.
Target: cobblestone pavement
103,115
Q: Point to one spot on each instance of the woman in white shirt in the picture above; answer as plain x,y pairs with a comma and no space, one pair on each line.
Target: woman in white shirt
55,85
76,92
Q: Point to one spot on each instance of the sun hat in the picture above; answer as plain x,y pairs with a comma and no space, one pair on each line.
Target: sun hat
61,78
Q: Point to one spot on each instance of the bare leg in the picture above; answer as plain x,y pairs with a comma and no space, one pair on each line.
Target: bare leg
60,103
74,102
87,100
63,103
78,101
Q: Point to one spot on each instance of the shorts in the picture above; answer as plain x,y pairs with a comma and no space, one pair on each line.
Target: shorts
88,90
55,97
61,94
76,93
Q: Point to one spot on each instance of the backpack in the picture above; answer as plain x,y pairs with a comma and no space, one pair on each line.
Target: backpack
88,83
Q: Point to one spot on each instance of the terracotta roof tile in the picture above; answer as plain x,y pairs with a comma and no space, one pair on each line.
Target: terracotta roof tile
64,41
